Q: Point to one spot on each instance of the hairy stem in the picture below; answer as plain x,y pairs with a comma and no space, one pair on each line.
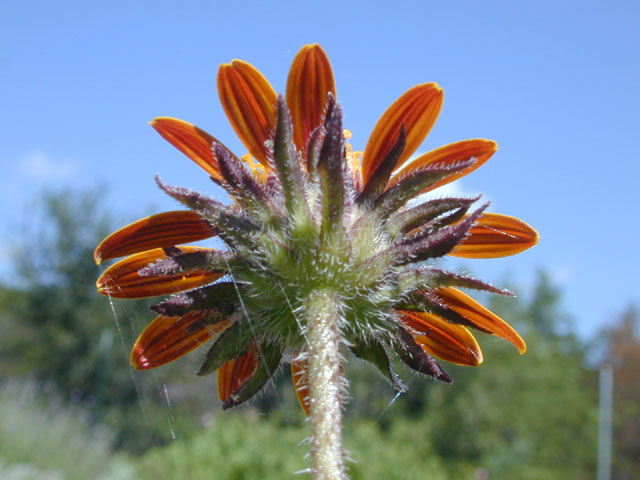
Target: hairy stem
325,386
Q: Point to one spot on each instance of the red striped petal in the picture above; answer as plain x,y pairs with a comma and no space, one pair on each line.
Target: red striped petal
161,230
122,280
479,316
235,373
168,338
417,109
450,154
447,341
308,86
494,235
301,384
250,104
190,140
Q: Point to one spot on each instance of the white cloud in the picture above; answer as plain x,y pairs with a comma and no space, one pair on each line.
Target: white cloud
42,167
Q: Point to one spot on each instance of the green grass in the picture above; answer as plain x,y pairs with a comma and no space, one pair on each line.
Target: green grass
41,440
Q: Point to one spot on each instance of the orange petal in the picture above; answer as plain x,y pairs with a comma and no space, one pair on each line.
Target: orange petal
235,373
450,154
308,86
168,338
479,316
494,235
417,109
190,140
121,280
250,104
161,230
447,341
301,383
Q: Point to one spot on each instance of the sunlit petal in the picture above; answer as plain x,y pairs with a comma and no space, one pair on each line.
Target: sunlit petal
161,230
444,340
309,83
479,316
451,154
494,235
122,280
235,373
250,104
168,338
417,109
301,383
190,140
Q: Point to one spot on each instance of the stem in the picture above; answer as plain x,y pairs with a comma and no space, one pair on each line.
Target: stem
325,386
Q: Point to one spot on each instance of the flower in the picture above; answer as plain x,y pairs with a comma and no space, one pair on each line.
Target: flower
309,214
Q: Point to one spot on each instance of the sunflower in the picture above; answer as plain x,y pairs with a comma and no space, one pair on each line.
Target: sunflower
325,253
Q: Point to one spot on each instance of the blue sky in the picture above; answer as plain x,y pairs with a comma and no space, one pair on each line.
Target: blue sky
553,82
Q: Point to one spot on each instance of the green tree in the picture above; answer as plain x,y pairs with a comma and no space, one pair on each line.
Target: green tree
53,296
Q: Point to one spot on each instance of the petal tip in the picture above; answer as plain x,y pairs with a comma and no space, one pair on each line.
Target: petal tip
535,236
138,359
522,347
478,358
431,86
101,286
234,63
156,122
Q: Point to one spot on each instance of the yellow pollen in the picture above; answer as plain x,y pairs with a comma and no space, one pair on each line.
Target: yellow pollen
352,157
257,169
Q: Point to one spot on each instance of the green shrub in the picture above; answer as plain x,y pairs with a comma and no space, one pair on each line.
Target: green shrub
244,447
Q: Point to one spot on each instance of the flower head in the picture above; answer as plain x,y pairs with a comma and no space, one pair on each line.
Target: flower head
309,215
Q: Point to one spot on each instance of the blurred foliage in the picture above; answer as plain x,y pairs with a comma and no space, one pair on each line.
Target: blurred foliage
45,439
515,417
54,312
